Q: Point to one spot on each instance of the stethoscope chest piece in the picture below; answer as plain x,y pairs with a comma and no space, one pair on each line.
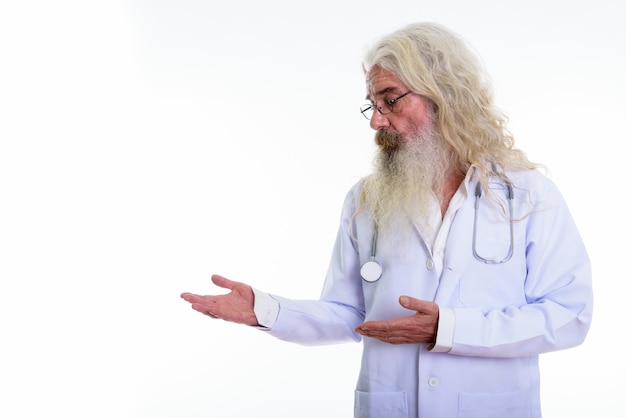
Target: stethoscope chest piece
371,271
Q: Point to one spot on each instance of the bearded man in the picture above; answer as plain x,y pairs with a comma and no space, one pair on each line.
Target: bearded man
456,262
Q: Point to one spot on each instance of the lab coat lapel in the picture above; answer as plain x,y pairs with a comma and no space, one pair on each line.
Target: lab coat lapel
458,251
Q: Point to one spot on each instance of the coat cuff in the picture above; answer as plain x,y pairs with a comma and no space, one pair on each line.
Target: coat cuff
266,309
445,331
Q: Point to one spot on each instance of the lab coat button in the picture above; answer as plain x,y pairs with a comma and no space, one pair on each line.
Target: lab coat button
430,264
433,382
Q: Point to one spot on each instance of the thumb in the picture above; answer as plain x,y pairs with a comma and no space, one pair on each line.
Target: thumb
410,303
222,281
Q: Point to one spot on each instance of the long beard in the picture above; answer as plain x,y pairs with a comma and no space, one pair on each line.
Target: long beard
408,170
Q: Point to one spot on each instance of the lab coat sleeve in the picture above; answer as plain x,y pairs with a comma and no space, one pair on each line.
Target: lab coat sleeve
340,309
558,293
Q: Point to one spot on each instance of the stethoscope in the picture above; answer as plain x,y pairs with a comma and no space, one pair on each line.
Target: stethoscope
371,270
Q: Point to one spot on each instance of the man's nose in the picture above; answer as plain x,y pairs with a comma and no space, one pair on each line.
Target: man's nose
378,120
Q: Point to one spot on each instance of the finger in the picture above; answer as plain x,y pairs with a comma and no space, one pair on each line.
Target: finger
204,309
384,335
374,328
395,339
391,339
191,297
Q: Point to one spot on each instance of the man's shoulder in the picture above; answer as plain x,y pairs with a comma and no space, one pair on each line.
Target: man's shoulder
530,178
536,187
356,189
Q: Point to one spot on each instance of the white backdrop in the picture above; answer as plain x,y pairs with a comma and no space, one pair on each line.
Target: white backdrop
145,145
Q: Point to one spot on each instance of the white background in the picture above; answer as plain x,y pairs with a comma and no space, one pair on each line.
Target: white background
148,144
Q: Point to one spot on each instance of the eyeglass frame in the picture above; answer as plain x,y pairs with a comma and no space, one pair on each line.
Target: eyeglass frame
388,103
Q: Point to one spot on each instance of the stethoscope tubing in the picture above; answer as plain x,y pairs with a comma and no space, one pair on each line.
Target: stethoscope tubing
371,271
510,197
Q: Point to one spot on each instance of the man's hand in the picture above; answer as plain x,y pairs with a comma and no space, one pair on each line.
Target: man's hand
236,306
418,328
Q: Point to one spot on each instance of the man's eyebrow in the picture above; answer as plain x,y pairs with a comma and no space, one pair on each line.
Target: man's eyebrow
381,92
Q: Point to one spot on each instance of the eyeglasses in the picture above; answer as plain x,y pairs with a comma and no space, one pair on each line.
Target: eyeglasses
367,110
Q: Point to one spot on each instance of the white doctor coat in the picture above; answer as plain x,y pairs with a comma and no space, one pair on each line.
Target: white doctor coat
505,315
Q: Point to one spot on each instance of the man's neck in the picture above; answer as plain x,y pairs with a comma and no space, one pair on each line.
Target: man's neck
450,186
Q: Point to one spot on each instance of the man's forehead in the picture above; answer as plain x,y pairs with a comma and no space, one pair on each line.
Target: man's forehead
378,81
376,74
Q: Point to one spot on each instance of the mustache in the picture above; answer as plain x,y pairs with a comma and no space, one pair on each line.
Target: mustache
388,141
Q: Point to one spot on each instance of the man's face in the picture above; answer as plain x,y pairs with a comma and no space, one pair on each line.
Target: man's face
412,160
409,113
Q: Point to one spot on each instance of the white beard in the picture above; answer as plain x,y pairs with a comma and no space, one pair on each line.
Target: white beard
408,171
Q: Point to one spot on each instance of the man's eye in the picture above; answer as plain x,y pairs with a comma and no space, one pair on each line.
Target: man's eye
390,102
